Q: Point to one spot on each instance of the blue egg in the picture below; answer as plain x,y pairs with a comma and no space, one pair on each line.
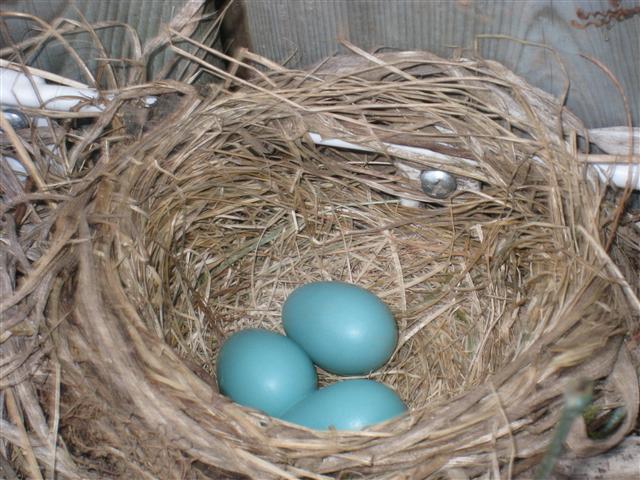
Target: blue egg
264,370
348,405
345,329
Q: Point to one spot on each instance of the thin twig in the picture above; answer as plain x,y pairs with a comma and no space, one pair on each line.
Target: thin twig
14,415
22,154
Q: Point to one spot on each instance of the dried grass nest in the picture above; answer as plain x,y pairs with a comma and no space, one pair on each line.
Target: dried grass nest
161,247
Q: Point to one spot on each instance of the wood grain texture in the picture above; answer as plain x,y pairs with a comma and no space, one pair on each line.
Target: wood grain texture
620,463
305,31
146,17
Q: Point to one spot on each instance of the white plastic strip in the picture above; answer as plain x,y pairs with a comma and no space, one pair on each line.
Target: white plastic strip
16,89
620,175
20,91
411,152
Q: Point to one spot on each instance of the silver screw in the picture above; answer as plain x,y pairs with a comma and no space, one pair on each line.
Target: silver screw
437,184
16,118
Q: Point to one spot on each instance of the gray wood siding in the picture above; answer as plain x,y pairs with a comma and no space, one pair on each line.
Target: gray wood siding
305,31
146,17
310,30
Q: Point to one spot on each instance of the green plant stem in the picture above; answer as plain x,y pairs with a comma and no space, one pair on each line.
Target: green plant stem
577,398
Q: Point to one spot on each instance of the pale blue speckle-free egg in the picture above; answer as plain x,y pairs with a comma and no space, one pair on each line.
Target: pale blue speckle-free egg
264,370
348,405
344,328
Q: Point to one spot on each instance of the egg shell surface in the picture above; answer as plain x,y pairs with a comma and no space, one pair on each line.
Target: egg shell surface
345,329
348,405
264,370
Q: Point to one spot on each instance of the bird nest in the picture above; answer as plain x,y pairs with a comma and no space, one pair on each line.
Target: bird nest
151,248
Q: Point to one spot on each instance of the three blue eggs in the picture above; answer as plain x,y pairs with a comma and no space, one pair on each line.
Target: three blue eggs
342,328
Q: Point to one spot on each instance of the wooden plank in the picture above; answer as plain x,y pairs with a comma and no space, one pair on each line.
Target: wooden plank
620,463
145,17
309,30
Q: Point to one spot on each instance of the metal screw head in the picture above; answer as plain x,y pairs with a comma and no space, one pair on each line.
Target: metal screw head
16,118
437,184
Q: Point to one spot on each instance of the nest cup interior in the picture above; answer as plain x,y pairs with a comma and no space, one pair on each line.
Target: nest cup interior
240,208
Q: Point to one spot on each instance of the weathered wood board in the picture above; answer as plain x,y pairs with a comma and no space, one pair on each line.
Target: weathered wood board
620,463
305,31
145,17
